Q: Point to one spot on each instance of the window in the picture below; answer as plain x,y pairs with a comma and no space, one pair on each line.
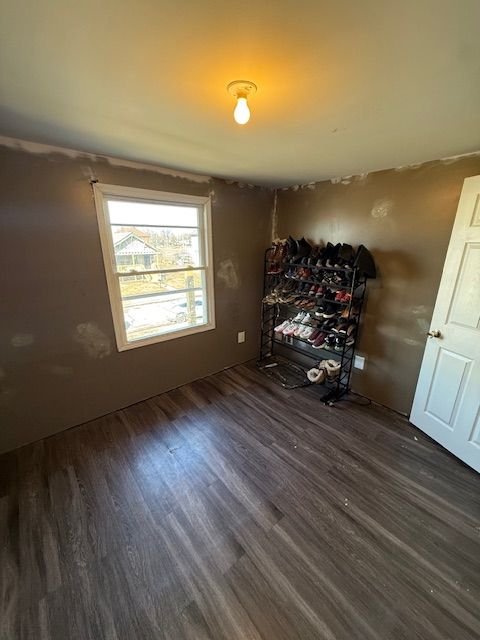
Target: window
157,251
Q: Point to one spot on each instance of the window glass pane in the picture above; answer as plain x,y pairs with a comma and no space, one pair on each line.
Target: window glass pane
130,212
148,248
158,303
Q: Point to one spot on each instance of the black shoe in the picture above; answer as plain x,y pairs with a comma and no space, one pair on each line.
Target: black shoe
343,341
327,325
329,295
332,258
329,311
321,309
304,250
327,253
330,341
304,289
345,257
314,255
364,262
292,247
347,328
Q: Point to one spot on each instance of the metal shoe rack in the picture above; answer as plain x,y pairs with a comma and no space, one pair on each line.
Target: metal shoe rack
275,348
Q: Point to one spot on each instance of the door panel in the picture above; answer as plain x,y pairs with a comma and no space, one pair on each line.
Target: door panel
465,308
475,435
476,213
447,386
447,398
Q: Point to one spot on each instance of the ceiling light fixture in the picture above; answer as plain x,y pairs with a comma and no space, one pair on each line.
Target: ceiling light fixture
240,90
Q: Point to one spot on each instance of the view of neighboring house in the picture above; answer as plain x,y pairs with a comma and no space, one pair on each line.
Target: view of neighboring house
132,252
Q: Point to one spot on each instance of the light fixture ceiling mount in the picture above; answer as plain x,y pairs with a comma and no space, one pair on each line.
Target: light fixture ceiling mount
240,90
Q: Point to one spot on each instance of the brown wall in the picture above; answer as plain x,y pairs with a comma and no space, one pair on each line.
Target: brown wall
405,218
54,375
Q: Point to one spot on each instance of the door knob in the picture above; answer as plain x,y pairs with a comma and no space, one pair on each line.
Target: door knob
435,333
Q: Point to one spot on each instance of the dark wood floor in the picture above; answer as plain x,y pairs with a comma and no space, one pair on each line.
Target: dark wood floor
232,509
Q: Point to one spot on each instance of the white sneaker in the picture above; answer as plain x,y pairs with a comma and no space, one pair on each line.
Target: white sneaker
299,317
307,319
306,333
298,330
281,327
290,328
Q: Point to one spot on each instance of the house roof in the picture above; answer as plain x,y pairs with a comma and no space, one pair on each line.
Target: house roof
133,246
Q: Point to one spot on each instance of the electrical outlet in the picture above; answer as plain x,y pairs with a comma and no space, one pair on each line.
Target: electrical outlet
241,337
359,362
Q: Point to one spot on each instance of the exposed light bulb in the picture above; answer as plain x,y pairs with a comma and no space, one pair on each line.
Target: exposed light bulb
241,113
241,90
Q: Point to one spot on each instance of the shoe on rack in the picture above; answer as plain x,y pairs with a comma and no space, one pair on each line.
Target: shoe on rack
327,325
326,254
345,313
304,250
339,295
290,328
314,254
314,335
330,341
306,275
320,340
338,327
281,327
271,298
298,330
343,341
272,252
364,262
338,279
306,333
299,317
307,319
332,258
283,252
329,294
329,311
348,327
345,256
292,248
288,287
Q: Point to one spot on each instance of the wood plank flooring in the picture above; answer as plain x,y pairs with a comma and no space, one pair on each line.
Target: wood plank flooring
231,509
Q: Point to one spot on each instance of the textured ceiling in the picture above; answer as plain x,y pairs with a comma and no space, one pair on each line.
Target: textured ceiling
343,86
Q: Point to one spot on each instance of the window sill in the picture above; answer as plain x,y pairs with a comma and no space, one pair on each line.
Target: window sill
171,335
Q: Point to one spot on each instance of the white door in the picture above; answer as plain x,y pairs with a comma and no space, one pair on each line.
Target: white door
447,399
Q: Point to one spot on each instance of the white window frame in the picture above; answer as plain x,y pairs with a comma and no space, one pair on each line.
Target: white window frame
102,192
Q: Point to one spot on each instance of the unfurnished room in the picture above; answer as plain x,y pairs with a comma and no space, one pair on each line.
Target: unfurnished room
240,320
